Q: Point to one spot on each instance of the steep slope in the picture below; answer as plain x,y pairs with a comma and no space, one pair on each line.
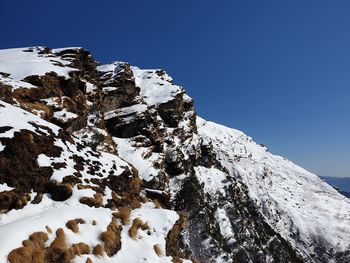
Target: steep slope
297,204
109,163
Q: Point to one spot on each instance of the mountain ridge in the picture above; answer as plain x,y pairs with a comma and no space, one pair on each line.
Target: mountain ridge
124,147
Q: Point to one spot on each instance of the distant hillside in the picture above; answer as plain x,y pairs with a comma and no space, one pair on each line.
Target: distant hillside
342,183
347,194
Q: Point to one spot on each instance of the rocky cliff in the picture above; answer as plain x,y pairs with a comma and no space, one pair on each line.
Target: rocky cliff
110,163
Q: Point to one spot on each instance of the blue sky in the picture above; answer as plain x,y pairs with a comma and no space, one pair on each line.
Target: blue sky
278,70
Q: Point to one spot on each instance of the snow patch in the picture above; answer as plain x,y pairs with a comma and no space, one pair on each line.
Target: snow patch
23,62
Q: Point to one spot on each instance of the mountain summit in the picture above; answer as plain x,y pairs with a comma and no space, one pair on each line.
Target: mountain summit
110,163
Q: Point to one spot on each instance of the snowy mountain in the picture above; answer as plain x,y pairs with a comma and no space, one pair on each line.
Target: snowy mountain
110,163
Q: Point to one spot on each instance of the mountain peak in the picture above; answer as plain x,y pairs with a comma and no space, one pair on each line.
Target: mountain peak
110,163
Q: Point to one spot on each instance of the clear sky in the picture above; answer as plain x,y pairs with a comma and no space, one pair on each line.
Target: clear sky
278,70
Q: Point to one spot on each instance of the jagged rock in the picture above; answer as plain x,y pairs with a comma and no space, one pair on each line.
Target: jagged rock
118,86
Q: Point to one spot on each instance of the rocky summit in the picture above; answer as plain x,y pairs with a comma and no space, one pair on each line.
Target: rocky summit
110,163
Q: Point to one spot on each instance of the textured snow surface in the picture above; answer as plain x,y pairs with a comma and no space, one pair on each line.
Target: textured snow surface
160,222
127,111
17,119
154,88
64,115
23,62
33,218
225,225
113,67
15,84
134,155
292,199
5,187
213,179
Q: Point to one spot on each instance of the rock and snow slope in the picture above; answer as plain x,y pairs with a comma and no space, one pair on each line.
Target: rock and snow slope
109,163
296,203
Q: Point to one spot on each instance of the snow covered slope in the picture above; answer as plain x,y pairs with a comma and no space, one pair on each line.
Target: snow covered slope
85,202
24,62
109,163
300,206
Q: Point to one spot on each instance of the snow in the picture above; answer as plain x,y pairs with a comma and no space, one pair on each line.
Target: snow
132,110
64,115
225,225
18,120
290,198
109,89
160,222
57,50
88,136
15,84
155,89
296,203
5,187
134,155
113,67
90,87
155,85
54,101
35,217
20,63
213,179
106,160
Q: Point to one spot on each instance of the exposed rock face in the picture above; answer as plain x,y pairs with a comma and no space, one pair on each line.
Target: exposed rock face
118,87
114,144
